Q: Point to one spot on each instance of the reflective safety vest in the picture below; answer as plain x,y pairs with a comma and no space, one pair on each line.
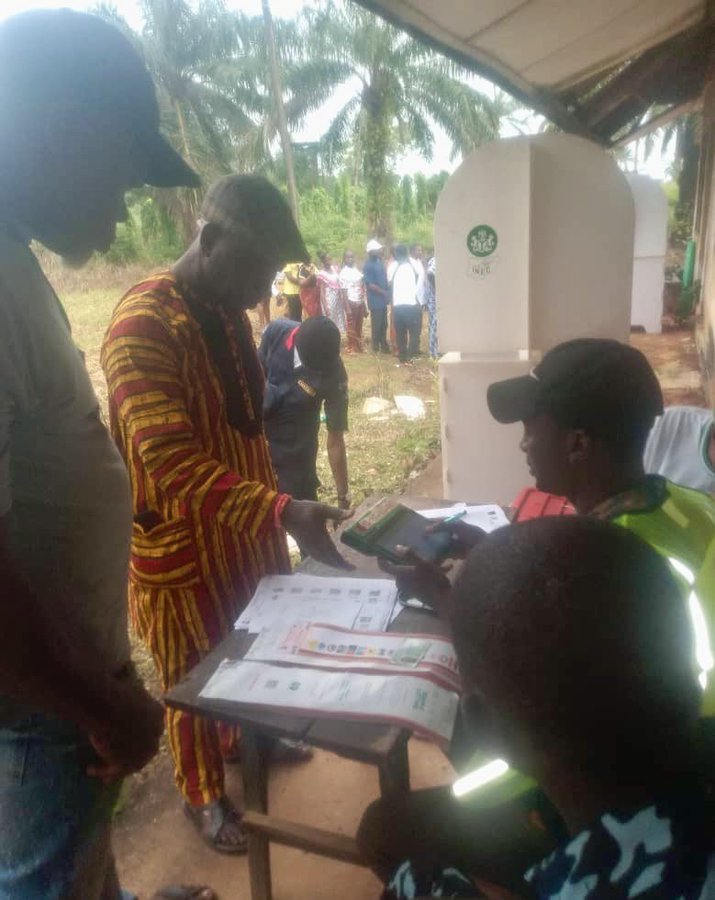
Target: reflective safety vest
682,529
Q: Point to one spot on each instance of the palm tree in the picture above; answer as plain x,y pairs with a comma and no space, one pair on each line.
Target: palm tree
212,68
405,90
186,51
183,48
686,131
277,90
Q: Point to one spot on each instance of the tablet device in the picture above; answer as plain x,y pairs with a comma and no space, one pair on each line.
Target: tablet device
389,525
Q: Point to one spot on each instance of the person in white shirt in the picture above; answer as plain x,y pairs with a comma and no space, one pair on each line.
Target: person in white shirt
352,285
417,258
407,283
681,447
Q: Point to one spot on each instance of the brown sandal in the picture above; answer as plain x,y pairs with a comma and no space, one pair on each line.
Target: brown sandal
283,750
210,820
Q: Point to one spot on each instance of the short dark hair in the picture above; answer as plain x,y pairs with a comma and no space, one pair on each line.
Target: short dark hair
318,343
399,251
626,445
580,630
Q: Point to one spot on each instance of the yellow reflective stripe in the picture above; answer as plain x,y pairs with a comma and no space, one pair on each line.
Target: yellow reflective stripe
479,777
703,650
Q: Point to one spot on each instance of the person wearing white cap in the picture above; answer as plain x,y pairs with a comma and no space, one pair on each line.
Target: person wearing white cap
378,295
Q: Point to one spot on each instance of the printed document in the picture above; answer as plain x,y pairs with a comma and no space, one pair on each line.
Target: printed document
403,700
363,603
328,647
488,517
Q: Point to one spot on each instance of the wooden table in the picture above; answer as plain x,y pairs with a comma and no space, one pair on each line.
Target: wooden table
383,746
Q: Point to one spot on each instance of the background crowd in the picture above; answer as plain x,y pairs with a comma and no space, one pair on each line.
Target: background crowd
393,293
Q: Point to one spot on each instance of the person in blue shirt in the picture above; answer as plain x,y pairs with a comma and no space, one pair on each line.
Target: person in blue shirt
378,295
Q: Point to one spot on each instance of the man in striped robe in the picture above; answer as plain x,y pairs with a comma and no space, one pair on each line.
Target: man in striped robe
185,404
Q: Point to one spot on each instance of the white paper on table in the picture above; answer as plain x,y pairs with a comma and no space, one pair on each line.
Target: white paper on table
404,700
327,647
488,517
364,603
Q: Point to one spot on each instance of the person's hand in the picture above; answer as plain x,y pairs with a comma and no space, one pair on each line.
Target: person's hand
426,581
306,522
463,536
130,737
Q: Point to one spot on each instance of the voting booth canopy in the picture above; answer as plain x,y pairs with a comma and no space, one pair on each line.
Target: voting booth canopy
650,243
534,241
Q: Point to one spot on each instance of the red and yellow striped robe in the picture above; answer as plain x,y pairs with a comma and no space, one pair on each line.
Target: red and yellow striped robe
206,507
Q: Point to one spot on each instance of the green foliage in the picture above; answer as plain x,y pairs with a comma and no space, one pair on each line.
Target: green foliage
149,234
333,216
406,90
407,204
681,223
211,68
670,189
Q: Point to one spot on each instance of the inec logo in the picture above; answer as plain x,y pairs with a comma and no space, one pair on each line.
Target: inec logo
482,241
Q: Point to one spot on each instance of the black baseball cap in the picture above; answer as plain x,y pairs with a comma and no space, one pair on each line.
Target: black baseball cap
605,387
318,343
50,57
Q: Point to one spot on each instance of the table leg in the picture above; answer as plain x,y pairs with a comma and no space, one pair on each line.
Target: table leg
395,770
254,766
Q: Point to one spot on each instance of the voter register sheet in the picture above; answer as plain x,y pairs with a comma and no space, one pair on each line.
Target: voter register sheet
406,700
321,650
361,603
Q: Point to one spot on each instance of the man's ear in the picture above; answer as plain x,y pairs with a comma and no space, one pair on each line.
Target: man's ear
208,236
579,445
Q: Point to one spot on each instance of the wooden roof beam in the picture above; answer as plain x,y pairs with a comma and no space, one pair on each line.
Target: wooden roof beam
658,121
634,78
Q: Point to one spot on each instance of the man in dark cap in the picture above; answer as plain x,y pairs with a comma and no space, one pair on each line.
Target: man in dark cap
304,374
79,126
186,410
587,409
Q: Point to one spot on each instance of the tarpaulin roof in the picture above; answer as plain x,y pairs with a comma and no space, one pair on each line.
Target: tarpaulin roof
594,67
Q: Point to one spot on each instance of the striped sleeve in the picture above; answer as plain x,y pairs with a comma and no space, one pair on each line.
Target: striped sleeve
146,392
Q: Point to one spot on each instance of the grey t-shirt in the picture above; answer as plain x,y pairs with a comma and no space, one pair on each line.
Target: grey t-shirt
677,448
63,485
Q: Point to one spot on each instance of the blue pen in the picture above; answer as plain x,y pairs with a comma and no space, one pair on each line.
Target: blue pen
454,518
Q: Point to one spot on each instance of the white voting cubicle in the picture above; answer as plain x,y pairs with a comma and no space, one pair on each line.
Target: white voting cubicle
649,248
534,242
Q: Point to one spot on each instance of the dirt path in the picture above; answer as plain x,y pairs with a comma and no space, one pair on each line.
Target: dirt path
674,357
155,844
